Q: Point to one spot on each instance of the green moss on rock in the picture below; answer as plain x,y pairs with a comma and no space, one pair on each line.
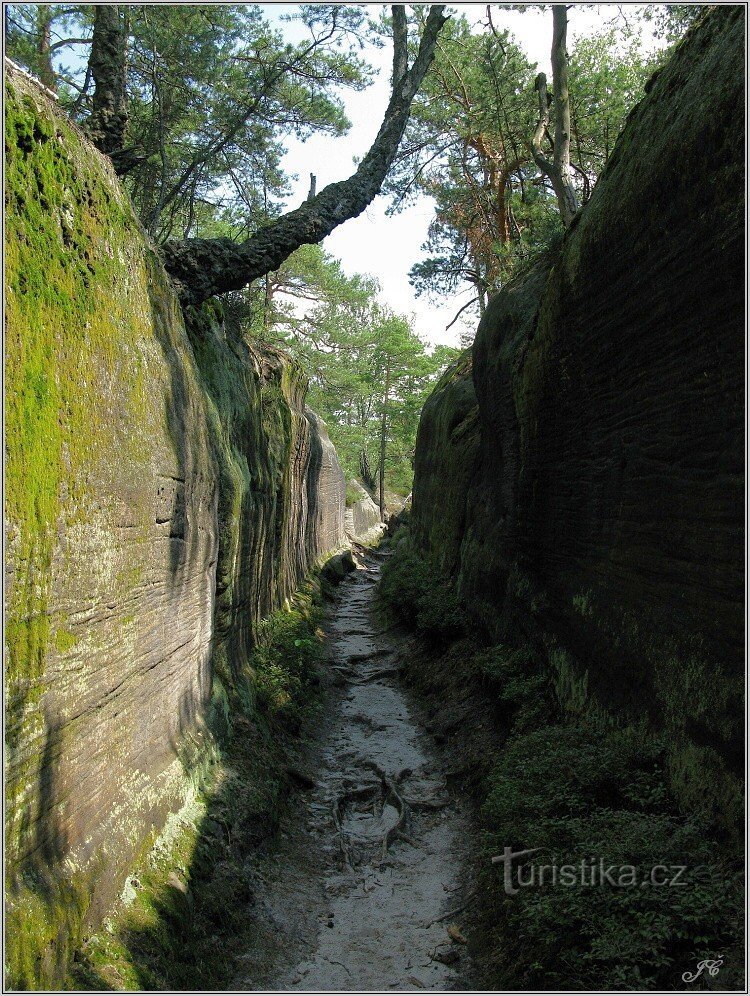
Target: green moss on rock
164,493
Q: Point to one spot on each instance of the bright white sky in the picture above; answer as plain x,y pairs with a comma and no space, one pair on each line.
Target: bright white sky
388,247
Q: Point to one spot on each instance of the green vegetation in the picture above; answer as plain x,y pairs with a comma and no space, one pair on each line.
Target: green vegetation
211,90
420,598
184,909
581,792
369,371
574,782
283,664
688,690
468,146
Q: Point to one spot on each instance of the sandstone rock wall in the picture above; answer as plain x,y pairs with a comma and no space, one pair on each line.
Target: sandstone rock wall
326,493
595,492
362,517
446,461
282,491
166,489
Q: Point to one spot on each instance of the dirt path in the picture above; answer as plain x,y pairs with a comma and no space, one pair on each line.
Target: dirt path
375,857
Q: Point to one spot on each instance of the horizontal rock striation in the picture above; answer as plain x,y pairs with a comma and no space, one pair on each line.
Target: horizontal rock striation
591,499
362,517
166,489
446,462
326,494
282,492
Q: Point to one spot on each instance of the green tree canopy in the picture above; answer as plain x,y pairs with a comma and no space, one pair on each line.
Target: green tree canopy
367,366
212,91
468,147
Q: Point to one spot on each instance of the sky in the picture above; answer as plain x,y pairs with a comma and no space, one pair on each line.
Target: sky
388,247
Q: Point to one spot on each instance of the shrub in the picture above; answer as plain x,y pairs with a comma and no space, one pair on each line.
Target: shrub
412,590
580,793
283,665
521,685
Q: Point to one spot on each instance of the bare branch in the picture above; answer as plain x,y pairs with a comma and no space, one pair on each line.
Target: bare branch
460,311
493,29
542,126
558,170
70,41
569,201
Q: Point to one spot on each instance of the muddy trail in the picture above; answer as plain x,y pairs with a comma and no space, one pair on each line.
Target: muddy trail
361,891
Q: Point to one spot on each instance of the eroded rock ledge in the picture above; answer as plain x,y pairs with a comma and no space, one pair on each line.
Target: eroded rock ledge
166,489
581,475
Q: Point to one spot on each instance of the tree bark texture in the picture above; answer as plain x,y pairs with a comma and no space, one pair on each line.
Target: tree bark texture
109,115
557,169
43,46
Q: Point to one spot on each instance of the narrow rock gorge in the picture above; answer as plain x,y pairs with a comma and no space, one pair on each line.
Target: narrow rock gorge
579,472
166,490
546,653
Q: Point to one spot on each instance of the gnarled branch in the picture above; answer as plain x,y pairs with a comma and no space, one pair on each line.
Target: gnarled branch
201,268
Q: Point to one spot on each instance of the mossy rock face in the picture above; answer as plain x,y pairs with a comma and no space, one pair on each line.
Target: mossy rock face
605,512
281,489
160,501
112,534
446,460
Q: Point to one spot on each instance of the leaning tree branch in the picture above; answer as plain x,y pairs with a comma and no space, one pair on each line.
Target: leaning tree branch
400,39
201,268
225,138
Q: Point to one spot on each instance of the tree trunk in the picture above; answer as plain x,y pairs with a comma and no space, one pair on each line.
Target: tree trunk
109,115
43,42
558,170
561,102
201,268
384,438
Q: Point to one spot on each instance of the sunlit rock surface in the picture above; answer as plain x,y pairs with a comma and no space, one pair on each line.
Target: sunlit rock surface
166,489
362,516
